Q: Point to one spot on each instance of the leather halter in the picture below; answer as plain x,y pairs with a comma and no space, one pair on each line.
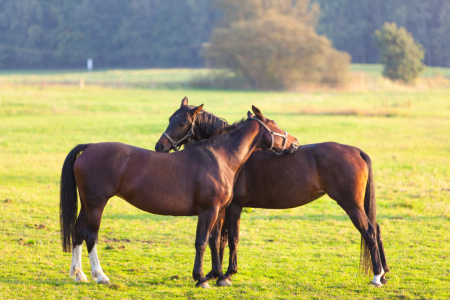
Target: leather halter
285,136
187,136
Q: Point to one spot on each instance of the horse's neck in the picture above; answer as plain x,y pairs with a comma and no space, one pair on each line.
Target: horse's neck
238,147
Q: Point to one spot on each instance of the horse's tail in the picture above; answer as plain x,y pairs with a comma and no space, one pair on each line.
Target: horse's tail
68,203
370,207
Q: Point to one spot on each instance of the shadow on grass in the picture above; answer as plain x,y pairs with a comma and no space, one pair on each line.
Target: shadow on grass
250,217
315,218
345,218
164,280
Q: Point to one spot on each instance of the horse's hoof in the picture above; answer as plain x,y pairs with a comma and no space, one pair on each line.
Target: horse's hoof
376,284
83,279
104,281
383,281
224,282
204,285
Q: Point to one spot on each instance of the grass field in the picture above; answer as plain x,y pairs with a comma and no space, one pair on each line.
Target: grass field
156,78
377,69
311,252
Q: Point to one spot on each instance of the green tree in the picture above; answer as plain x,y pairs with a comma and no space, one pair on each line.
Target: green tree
401,55
273,44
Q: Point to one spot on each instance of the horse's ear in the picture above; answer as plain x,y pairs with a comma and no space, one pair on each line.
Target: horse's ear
258,113
250,115
184,102
195,110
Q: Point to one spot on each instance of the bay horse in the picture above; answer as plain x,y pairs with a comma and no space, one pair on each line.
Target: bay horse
267,181
198,181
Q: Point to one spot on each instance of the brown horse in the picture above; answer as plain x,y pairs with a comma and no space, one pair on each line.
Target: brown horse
198,181
267,181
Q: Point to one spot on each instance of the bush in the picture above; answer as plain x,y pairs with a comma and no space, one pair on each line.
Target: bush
400,54
275,46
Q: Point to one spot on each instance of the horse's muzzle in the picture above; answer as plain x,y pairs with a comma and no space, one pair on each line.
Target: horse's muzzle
292,148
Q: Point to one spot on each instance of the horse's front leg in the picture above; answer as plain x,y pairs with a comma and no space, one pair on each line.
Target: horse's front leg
216,259
222,235
206,221
233,217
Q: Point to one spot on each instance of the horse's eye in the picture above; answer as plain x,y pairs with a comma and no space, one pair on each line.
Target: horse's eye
181,125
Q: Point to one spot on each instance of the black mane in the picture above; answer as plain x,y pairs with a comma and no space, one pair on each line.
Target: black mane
220,133
209,123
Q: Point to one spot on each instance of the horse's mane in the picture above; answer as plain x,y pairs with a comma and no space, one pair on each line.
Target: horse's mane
209,123
221,133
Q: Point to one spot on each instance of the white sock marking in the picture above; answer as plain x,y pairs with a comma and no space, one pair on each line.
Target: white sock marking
75,269
96,270
377,278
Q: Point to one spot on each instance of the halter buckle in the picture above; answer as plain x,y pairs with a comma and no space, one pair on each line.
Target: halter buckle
285,136
187,136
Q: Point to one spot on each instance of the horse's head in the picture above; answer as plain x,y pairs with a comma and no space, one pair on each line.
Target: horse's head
180,129
274,138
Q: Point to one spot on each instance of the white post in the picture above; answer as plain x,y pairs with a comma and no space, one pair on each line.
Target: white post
90,64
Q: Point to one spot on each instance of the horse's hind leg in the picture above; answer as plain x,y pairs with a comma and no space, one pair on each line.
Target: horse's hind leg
223,240
362,223
233,216
382,255
93,219
78,238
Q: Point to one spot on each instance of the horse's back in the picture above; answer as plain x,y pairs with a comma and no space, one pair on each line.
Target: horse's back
99,165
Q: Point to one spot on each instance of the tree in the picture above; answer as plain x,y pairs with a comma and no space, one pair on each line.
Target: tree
273,44
400,54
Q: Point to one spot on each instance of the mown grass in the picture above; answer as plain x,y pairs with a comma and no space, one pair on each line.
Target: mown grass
311,252
376,70
152,78
156,78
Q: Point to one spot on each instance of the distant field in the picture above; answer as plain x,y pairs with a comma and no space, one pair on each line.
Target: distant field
376,70
145,77
148,78
311,252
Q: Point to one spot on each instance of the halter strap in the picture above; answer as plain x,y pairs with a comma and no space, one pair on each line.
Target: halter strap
187,136
285,136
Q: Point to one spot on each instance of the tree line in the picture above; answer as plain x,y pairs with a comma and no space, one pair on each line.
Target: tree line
351,24
115,33
161,33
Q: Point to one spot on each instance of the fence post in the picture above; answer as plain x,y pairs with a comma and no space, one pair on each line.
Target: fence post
81,83
42,84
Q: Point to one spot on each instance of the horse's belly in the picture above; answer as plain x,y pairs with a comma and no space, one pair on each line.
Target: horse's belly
282,201
160,205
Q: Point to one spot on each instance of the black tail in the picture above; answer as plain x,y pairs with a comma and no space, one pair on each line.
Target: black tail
68,203
370,207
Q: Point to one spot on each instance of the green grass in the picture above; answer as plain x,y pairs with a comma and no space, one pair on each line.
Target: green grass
311,252
119,77
375,70
158,78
